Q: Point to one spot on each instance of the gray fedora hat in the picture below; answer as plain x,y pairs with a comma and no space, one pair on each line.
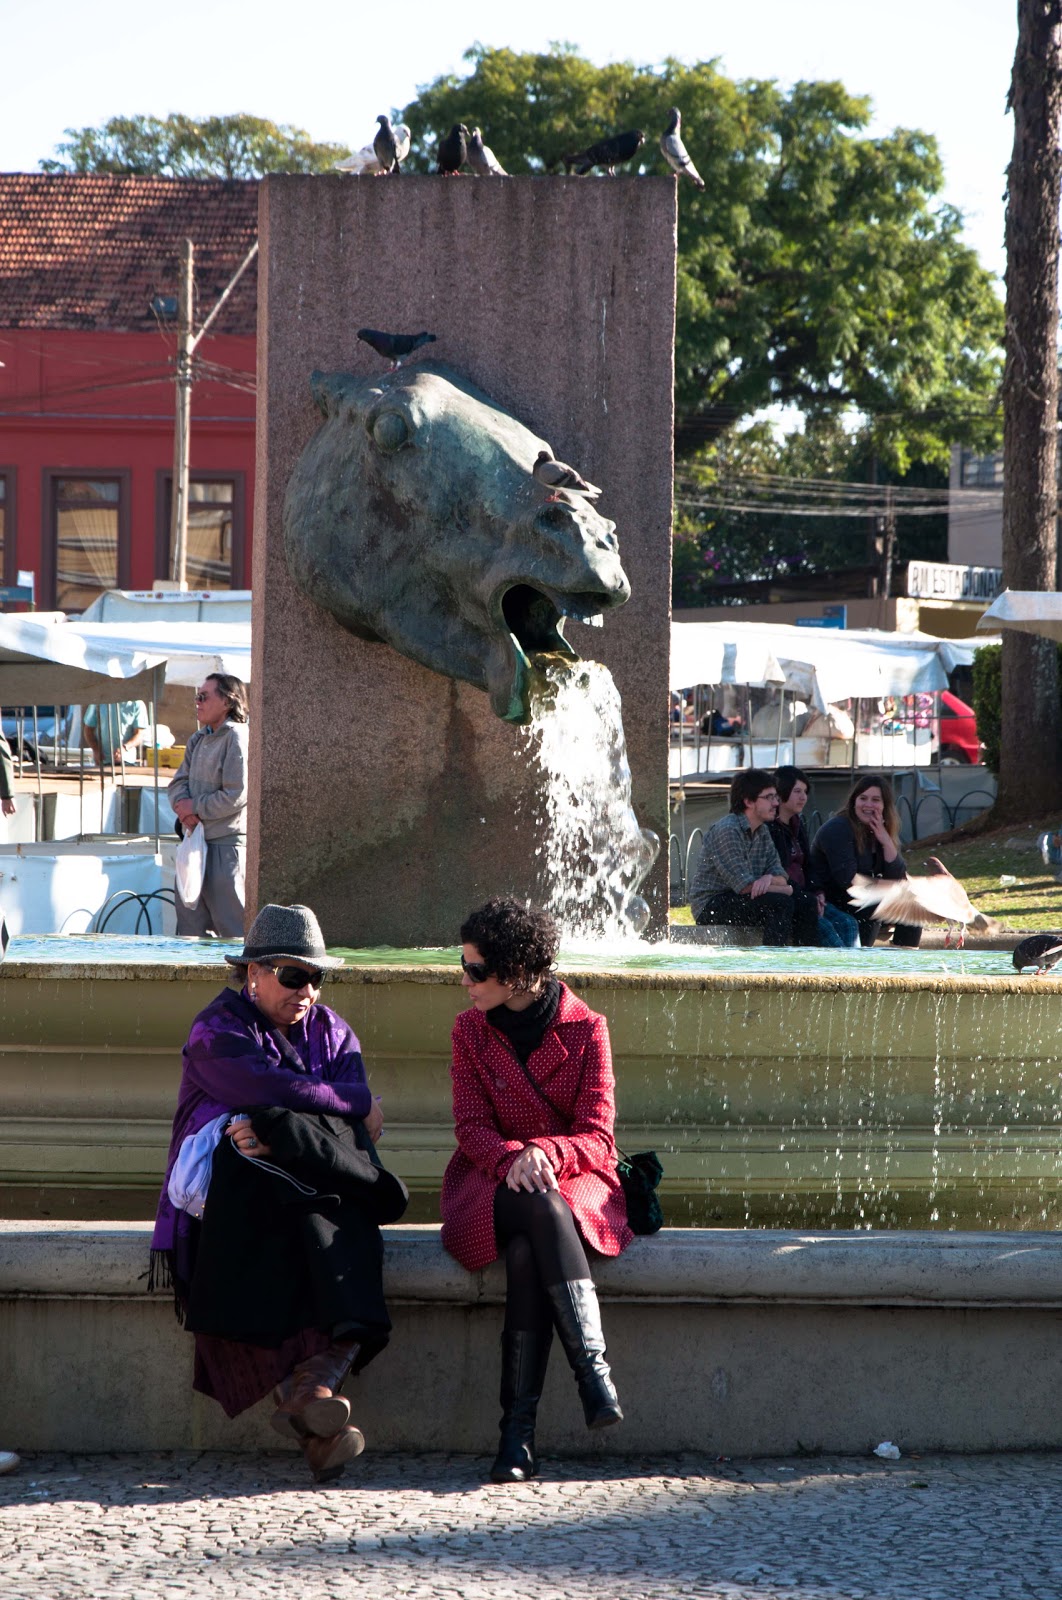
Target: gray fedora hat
285,933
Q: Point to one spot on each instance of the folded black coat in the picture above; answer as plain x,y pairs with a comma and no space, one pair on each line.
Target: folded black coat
293,1242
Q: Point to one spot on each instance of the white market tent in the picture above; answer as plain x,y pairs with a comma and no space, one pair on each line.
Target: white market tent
44,662
822,665
1026,610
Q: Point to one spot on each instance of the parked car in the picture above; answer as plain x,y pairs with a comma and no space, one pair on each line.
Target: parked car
14,716
959,744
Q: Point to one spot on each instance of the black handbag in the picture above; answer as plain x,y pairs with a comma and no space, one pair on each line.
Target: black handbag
640,1176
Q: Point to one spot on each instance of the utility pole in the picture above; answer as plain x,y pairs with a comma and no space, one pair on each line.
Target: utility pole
888,544
182,419
187,343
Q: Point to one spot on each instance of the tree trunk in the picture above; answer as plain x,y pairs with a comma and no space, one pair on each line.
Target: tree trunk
1030,776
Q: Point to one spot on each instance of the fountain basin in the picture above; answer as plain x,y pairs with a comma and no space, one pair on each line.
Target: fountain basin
874,1089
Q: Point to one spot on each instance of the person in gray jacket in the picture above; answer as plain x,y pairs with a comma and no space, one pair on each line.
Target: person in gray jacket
210,788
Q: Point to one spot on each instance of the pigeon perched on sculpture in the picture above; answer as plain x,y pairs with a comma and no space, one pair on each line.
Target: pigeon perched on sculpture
385,147
558,475
939,897
364,163
608,153
453,151
674,151
481,158
394,347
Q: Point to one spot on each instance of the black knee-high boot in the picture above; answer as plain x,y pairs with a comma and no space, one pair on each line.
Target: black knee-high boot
525,1355
577,1319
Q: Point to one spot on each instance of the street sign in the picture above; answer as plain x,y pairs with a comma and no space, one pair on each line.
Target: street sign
832,617
941,580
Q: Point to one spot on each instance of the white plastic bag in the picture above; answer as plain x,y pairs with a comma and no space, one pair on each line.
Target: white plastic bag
190,866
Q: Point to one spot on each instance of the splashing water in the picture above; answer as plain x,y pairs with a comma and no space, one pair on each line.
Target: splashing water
596,856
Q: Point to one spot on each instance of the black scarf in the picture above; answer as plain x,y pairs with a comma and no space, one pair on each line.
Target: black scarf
525,1030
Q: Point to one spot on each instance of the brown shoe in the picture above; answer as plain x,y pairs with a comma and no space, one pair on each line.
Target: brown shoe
307,1401
327,1457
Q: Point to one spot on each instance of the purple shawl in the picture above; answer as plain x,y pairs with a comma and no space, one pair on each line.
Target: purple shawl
233,1060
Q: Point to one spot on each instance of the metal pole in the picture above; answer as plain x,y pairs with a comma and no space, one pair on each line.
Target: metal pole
155,742
182,418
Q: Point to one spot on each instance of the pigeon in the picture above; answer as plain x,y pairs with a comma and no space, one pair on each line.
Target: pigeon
385,146
481,158
674,151
1039,950
558,475
607,153
937,898
364,164
453,151
393,346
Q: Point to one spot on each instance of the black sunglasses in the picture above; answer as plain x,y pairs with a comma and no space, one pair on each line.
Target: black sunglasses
478,971
298,977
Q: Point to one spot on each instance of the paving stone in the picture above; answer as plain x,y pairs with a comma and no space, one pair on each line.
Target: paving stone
162,1527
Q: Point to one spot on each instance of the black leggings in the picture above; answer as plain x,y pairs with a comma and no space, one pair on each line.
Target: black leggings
542,1247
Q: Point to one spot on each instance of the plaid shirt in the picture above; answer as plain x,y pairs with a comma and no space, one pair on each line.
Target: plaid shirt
732,858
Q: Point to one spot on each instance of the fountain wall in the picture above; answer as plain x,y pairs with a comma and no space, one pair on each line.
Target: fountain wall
388,797
774,1099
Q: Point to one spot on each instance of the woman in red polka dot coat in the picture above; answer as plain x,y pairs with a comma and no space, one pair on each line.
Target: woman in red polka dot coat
534,1174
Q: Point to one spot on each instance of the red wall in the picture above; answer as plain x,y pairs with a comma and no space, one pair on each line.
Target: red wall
103,402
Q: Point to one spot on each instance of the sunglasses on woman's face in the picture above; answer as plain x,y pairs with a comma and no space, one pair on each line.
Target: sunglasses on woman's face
478,971
297,977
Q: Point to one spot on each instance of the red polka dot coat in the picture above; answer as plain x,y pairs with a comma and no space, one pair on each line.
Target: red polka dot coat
496,1112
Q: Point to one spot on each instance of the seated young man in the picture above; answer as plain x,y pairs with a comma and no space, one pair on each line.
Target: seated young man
739,879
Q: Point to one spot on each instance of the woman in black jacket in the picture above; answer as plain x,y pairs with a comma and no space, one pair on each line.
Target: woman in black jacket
863,838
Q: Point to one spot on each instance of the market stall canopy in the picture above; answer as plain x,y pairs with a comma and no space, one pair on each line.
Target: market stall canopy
822,665
78,663
1027,610
170,605
189,649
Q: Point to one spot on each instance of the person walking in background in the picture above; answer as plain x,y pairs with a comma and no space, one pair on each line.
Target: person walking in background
863,838
789,831
209,789
115,732
739,879
534,1174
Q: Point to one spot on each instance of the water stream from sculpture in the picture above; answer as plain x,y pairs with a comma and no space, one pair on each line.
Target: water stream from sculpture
594,853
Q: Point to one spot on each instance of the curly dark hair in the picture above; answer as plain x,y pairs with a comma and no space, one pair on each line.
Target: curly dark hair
517,942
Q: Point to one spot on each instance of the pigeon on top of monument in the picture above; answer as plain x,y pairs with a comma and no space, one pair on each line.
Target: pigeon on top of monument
481,158
558,475
385,146
607,153
364,162
453,151
940,897
393,346
1039,950
674,151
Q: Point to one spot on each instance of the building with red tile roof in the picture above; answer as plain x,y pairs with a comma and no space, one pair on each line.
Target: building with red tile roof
89,271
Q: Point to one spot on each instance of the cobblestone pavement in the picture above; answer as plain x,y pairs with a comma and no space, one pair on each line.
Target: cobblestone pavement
167,1525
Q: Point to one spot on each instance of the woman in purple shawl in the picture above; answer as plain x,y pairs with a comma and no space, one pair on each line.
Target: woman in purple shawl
278,1271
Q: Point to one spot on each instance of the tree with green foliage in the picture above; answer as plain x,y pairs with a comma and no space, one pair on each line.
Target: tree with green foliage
177,146
755,507
817,268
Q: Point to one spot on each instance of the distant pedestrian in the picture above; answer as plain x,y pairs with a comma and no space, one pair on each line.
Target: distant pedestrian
210,788
837,929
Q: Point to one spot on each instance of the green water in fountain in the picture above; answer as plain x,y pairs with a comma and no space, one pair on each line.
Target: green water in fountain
883,962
